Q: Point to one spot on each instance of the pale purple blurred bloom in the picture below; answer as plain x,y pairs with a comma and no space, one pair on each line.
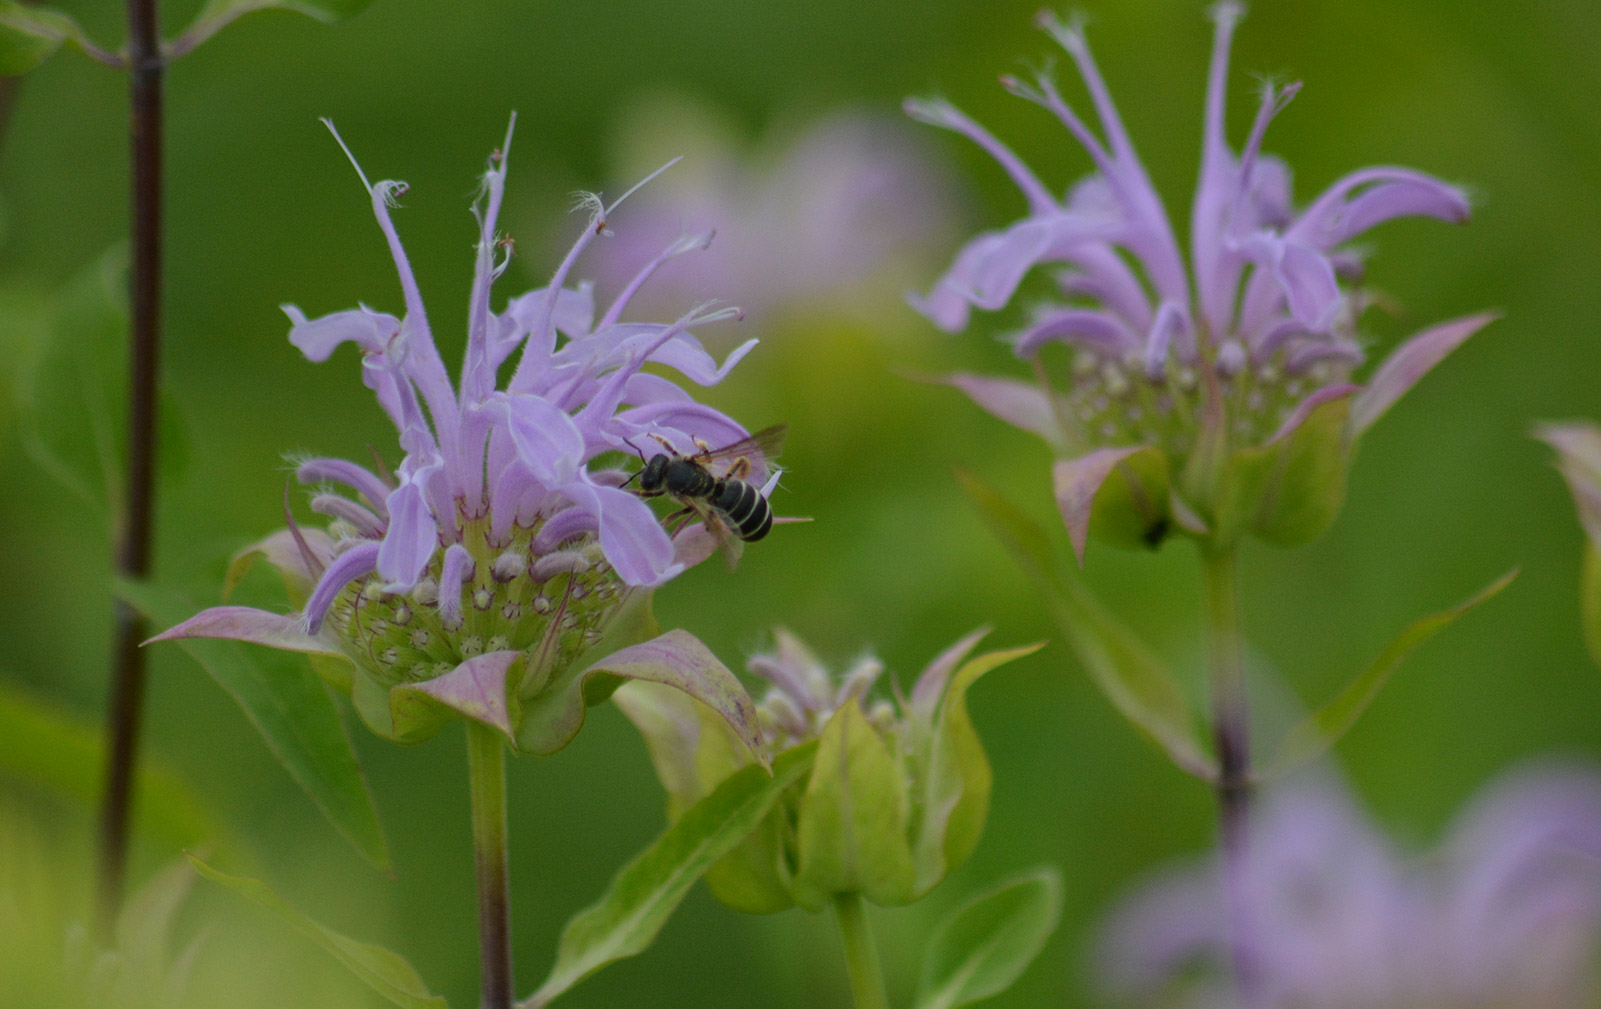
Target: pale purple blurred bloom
1505,913
1264,300
819,219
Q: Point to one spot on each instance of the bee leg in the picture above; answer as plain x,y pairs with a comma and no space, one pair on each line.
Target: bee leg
704,448
664,443
739,470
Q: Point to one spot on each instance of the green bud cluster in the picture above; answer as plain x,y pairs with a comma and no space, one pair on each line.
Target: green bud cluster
552,606
1113,402
896,797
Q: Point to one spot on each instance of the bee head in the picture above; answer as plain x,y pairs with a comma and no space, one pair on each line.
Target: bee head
653,474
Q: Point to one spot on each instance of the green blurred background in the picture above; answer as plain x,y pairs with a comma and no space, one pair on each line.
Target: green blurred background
1447,493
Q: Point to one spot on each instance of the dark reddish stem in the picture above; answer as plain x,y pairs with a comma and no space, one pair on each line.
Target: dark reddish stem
146,67
1231,736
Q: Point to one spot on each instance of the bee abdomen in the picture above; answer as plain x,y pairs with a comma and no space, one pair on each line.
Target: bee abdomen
748,513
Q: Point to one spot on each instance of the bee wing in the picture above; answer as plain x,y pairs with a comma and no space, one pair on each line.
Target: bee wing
764,443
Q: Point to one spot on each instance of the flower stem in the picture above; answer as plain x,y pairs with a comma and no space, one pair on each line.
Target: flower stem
486,774
1230,733
861,955
146,68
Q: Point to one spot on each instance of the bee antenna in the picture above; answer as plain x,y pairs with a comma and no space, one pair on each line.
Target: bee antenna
637,452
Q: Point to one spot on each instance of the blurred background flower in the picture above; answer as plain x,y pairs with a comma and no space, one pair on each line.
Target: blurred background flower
1505,912
824,215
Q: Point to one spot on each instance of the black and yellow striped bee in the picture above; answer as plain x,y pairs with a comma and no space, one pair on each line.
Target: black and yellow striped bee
723,500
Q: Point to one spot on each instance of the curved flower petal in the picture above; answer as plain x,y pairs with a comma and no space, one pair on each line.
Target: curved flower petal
547,440
336,506
411,539
1086,327
1304,275
687,357
643,388
1107,279
359,560
563,526
1337,216
317,338
630,535
351,475
573,316
943,114
1171,324
947,305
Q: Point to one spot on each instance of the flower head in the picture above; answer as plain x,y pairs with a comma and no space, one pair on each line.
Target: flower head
503,547
1199,376
1506,913
894,801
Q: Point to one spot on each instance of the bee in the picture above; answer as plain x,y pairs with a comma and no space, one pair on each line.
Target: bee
724,501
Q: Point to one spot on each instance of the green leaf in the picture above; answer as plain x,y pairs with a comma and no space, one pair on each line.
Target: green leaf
851,834
71,395
294,713
957,780
985,944
382,970
54,750
647,890
1297,481
30,35
1590,600
218,14
1136,683
322,10
1321,730
72,391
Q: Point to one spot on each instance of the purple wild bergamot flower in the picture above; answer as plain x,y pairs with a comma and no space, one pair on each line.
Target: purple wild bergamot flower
1507,913
504,557
1217,394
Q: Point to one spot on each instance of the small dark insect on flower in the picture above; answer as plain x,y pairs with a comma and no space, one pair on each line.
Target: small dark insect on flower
725,502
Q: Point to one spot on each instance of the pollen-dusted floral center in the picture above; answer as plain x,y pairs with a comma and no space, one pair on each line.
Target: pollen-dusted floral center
551,604
1114,402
